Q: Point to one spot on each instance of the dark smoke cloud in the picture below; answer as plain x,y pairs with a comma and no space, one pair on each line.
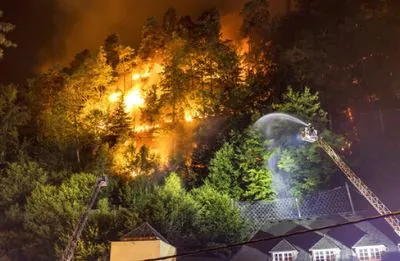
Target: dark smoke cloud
86,23
53,31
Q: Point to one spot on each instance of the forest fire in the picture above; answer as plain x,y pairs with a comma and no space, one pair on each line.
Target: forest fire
133,99
114,97
188,117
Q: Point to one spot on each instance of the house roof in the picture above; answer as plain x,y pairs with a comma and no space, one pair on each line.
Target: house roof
375,232
344,237
248,253
324,243
304,241
264,246
301,242
347,235
278,228
282,246
143,232
368,240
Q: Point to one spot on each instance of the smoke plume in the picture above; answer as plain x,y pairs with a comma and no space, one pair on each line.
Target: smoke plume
84,24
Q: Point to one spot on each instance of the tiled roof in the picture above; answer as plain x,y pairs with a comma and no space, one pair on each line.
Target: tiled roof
343,237
368,240
304,241
279,228
324,243
282,246
372,235
143,232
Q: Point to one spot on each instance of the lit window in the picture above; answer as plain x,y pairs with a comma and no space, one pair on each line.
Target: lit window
284,256
370,252
326,254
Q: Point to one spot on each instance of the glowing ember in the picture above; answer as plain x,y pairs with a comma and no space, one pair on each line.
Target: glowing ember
349,114
114,97
133,99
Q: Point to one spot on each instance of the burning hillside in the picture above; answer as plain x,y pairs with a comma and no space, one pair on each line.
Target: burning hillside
155,97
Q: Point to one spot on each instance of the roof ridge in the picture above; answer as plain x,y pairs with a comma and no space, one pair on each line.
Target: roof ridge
282,244
144,232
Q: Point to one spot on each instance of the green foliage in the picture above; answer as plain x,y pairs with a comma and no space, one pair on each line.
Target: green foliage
238,168
12,117
302,104
309,168
137,163
19,179
225,174
52,212
218,219
68,120
173,211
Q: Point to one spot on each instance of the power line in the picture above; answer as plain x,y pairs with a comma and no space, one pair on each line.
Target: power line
212,249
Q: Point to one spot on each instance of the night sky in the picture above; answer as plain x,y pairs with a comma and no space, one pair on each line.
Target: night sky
53,31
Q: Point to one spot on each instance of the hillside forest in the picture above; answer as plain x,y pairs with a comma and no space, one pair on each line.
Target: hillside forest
170,122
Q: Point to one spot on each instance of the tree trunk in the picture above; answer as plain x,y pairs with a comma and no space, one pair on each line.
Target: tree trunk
77,143
78,157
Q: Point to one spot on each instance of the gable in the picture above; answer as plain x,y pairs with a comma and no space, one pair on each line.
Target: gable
324,243
143,232
283,246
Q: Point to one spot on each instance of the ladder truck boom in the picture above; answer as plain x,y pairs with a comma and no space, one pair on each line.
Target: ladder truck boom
70,249
310,134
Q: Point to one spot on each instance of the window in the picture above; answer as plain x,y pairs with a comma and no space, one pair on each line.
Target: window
284,256
371,253
326,254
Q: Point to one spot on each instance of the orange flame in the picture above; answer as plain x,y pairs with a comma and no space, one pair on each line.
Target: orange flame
133,99
114,97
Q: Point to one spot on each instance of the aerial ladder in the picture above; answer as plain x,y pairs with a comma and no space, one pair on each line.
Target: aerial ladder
310,134
70,249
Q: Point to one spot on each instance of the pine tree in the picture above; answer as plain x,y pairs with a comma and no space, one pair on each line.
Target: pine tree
152,40
151,111
12,117
125,64
111,47
253,157
225,174
209,27
119,121
170,22
239,168
308,166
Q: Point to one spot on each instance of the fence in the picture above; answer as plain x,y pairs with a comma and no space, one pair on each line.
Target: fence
329,202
